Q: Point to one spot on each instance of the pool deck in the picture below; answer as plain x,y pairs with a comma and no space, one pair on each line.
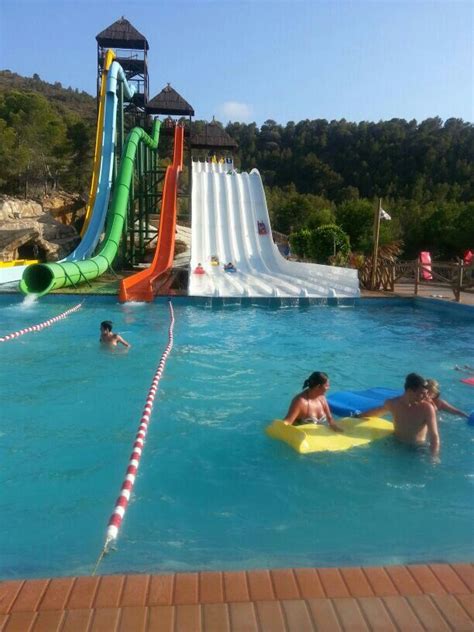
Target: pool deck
407,290
412,598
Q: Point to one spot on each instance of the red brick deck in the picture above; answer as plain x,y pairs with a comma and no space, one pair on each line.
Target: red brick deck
434,597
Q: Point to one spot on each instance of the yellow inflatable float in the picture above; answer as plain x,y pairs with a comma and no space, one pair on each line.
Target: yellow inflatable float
320,438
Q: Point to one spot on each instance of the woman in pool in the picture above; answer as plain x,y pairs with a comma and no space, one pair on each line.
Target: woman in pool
434,395
310,406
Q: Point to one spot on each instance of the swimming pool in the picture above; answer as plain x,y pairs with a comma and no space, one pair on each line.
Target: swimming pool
213,492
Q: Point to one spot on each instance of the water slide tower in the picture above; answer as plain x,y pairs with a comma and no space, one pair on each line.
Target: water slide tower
131,48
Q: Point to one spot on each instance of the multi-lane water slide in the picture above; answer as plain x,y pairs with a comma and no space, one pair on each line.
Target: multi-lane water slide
141,286
231,222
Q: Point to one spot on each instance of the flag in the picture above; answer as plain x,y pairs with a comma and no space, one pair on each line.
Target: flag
384,214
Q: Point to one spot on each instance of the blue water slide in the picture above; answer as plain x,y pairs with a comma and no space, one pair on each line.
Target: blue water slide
96,225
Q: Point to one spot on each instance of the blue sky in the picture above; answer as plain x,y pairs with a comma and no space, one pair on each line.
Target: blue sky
278,59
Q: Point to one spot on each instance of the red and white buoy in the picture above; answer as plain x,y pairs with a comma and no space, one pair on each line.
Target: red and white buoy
134,462
46,323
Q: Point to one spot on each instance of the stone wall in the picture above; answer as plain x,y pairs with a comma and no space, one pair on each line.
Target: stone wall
40,231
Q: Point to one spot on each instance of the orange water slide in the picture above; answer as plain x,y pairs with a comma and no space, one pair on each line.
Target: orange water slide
139,287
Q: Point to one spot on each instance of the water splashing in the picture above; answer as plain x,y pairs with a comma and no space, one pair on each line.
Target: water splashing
29,301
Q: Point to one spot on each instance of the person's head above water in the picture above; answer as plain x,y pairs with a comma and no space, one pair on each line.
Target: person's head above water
316,379
414,382
433,388
106,325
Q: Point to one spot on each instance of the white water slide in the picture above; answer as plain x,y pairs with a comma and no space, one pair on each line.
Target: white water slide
230,221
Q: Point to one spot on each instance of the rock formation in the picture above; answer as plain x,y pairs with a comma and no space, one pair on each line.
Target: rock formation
28,229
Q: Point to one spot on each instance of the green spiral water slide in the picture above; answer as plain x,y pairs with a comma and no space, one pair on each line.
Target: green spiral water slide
41,278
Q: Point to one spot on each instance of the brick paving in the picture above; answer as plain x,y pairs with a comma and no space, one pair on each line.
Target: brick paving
417,597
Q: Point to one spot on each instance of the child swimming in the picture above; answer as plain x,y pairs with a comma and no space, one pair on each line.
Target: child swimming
109,338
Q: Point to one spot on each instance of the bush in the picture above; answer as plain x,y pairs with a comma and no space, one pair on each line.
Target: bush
326,244
329,241
299,242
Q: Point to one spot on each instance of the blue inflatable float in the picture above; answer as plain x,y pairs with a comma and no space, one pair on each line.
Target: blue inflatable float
350,403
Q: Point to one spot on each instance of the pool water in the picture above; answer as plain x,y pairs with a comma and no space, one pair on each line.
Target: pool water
213,491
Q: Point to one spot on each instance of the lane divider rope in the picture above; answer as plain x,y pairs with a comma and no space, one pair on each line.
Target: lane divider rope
122,501
46,323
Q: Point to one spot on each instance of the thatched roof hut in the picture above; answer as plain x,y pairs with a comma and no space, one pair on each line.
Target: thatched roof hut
168,101
212,136
122,34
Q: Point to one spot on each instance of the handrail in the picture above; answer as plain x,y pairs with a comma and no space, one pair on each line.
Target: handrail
453,275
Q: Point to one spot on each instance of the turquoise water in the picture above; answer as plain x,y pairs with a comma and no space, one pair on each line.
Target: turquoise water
213,492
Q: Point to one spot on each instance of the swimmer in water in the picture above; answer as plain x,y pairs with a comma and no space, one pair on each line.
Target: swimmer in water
109,338
310,406
434,396
414,416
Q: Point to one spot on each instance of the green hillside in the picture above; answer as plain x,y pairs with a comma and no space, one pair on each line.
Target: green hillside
316,172
66,100
46,136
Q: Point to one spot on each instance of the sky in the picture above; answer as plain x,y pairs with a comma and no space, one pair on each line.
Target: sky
285,60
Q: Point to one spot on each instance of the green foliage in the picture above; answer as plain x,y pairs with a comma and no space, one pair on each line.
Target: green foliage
300,243
323,245
356,218
329,241
290,211
64,100
318,172
41,147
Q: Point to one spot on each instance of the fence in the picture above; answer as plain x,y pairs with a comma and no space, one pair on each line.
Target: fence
458,277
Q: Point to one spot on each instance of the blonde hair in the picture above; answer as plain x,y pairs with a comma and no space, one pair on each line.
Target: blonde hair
433,388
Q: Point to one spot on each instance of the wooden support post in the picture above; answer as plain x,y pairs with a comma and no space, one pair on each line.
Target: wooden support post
417,275
457,293
375,253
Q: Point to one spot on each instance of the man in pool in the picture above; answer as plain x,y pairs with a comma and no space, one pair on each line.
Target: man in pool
108,338
414,417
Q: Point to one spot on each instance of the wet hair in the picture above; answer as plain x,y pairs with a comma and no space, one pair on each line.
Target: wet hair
316,379
413,382
106,324
433,388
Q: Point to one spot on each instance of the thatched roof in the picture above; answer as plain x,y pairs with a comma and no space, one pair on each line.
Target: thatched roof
168,101
121,34
212,137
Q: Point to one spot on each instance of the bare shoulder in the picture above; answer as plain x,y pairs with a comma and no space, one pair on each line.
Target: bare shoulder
298,399
427,407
